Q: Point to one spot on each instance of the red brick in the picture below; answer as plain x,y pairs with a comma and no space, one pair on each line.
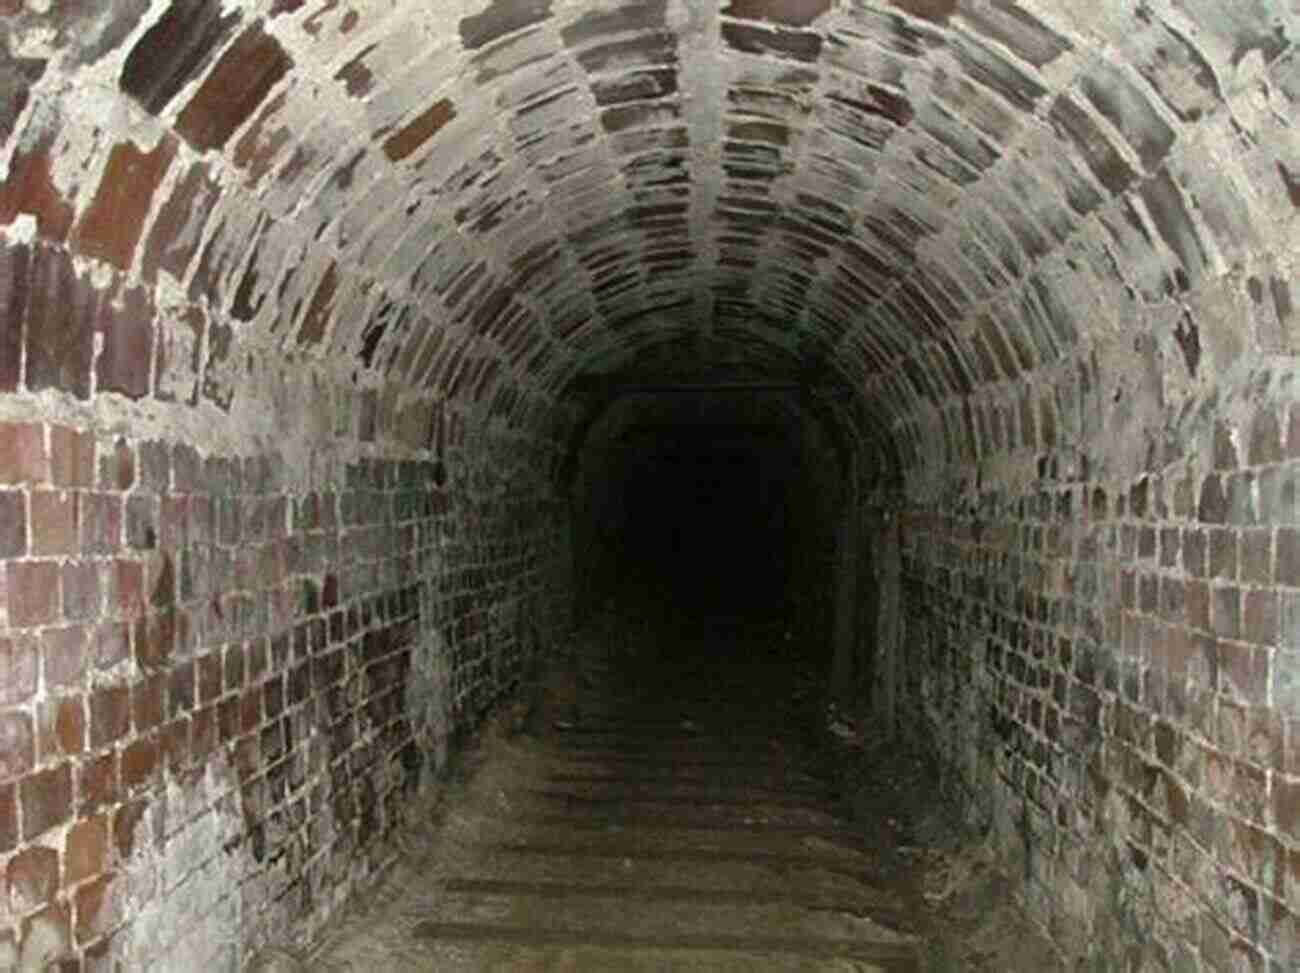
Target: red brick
22,453
55,516
98,909
64,655
110,715
85,850
8,818
72,458
13,524
17,744
33,878
139,761
233,89
19,665
97,783
47,800
81,591
1259,621
111,226
128,587
62,727
33,588
30,188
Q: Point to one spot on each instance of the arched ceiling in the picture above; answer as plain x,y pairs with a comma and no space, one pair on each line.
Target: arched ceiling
921,202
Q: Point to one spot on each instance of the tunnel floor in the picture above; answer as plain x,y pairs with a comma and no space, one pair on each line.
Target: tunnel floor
672,801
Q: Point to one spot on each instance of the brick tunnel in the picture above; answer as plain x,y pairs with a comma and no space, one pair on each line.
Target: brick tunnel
350,352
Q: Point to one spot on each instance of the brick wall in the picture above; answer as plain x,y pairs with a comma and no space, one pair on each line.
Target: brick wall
1111,668
220,689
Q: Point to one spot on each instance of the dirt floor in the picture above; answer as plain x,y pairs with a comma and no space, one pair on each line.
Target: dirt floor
684,801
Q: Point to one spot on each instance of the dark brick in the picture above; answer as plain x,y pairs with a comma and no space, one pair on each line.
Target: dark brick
15,273
174,51
139,761
46,799
1213,507
149,702
233,89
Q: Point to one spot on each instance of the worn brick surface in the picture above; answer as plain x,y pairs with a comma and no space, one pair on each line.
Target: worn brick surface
300,428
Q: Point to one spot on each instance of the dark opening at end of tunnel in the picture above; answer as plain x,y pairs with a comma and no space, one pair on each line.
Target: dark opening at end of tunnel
709,511
707,524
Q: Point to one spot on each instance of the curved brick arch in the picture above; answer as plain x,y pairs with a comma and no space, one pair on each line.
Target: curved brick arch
917,197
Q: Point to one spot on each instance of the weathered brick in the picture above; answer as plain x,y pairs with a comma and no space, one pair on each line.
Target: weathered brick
72,458
33,588
17,744
13,524
61,728
127,336
149,702
19,664
1287,571
23,458
8,817
101,523
110,715
241,79
64,655
111,225
139,761
81,591
46,800
55,522
60,337
97,783
85,849
33,878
